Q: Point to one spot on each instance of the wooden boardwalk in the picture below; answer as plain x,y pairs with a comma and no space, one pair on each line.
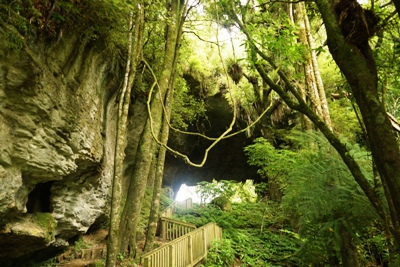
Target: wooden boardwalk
188,246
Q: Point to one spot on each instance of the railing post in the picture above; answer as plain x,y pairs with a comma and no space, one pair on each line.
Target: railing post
171,256
190,249
204,241
163,229
146,262
215,231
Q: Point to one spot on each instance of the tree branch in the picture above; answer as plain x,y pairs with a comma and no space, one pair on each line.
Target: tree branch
201,39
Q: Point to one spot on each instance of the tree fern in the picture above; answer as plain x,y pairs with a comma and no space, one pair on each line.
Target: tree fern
318,190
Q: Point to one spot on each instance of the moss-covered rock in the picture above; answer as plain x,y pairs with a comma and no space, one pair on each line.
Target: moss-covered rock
28,233
223,203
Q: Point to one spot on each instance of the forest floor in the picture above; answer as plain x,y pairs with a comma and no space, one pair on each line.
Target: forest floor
73,256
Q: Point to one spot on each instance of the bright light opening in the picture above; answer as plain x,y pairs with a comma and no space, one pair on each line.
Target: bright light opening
186,192
242,192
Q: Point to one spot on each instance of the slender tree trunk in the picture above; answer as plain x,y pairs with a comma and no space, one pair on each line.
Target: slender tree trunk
348,249
136,192
146,149
310,79
314,64
159,173
123,107
294,16
152,175
305,122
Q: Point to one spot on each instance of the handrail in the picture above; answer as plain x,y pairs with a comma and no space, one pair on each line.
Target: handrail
169,211
185,204
185,251
172,229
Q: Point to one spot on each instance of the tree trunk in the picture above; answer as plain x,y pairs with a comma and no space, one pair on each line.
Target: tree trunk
159,173
358,65
295,14
308,67
123,107
317,75
348,250
146,149
397,5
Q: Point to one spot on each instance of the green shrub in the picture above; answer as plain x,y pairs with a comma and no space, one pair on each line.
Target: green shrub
221,254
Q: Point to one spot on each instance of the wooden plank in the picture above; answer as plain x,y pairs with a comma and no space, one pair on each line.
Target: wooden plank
185,251
190,249
171,256
178,222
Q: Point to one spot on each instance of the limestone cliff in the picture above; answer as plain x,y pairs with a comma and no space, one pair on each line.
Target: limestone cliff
58,109
57,131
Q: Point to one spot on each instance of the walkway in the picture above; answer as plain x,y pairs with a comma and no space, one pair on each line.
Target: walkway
188,245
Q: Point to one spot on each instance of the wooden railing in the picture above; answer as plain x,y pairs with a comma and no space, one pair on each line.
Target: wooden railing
172,229
169,211
185,204
185,251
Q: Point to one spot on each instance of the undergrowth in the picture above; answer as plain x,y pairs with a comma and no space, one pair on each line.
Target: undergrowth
244,239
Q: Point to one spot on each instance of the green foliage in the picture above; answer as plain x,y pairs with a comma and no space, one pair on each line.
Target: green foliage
276,164
209,191
275,246
321,188
187,109
232,191
80,244
386,47
199,215
320,193
167,197
270,248
344,120
106,20
221,254
47,222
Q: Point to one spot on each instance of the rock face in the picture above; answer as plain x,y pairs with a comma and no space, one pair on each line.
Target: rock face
35,231
57,130
58,111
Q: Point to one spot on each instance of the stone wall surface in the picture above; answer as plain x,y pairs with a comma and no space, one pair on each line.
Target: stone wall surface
57,132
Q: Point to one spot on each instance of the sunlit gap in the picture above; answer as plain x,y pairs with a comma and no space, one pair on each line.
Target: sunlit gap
243,192
186,192
230,40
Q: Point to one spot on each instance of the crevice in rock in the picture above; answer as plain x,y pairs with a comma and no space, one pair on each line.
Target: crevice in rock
39,198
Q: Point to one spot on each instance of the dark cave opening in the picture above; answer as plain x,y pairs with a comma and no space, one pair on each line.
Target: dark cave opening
39,198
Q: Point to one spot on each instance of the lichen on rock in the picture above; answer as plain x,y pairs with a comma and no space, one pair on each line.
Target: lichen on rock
57,125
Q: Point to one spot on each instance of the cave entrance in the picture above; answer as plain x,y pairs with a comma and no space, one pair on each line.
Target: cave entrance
39,198
186,192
